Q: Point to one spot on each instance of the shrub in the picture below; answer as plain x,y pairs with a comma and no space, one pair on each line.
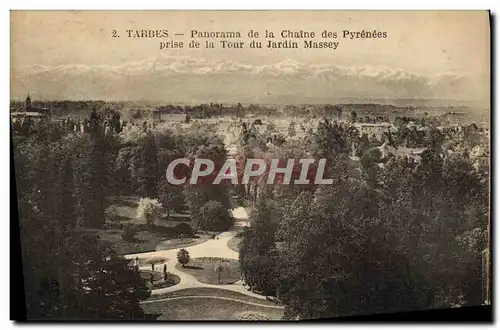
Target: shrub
183,229
183,257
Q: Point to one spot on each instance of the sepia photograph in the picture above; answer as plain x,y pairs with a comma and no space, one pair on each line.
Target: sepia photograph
263,165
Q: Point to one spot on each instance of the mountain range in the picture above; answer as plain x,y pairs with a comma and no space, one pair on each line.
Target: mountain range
192,80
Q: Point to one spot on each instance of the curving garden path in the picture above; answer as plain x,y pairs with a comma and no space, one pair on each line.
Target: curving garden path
211,297
211,248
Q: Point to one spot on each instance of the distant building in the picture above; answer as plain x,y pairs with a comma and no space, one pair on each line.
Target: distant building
29,111
156,114
377,129
411,154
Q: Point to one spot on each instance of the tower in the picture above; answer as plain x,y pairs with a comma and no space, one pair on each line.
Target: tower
28,103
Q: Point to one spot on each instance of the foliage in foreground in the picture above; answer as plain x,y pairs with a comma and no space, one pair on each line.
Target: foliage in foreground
390,238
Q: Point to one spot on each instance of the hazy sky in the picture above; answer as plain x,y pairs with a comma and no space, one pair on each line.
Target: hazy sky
420,41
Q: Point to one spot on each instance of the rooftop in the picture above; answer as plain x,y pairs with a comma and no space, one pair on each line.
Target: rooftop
374,124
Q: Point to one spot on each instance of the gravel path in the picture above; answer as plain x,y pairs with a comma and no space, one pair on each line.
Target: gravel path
211,248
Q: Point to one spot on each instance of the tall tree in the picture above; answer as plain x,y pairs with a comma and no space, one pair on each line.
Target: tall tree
90,181
145,170
258,255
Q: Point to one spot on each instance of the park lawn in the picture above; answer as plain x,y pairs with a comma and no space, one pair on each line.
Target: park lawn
212,292
122,211
203,269
207,309
177,243
145,241
146,274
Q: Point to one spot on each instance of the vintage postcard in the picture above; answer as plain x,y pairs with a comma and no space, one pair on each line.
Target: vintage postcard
250,165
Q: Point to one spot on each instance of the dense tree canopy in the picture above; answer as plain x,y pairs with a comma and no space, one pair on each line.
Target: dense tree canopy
389,236
70,274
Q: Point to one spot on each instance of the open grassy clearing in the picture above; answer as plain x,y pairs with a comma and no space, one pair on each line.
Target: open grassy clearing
209,309
212,292
177,243
122,212
204,269
145,241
